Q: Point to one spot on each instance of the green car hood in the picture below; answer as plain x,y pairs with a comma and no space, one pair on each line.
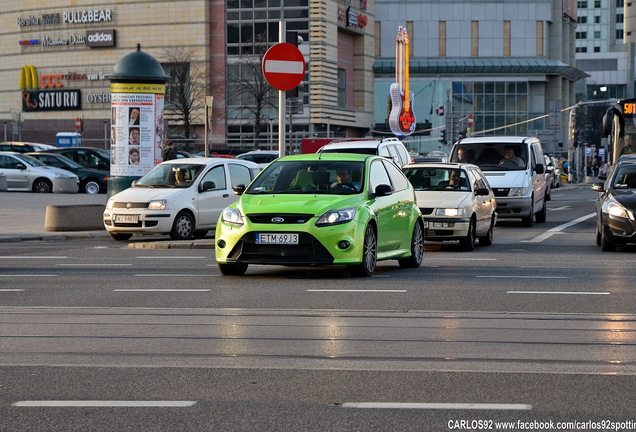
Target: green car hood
315,204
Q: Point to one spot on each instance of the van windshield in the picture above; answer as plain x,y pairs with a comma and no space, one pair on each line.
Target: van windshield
491,156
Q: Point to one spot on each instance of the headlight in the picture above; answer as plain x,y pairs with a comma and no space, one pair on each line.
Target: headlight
518,191
449,212
157,205
110,203
232,216
335,217
617,210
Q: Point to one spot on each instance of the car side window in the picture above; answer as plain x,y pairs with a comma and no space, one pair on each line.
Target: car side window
5,162
398,181
239,174
216,175
378,175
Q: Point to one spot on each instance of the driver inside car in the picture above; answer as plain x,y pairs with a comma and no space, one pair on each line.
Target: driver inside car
509,156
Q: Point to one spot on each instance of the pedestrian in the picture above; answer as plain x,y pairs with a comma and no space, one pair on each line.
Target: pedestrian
168,151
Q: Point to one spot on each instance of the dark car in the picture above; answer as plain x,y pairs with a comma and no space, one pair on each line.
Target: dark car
92,180
17,147
90,157
616,206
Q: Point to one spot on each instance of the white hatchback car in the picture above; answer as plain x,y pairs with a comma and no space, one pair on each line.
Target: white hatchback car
261,157
179,197
26,173
456,202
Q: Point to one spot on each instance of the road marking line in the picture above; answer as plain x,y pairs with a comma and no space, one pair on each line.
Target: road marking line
94,265
103,403
34,257
173,275
523,277
356,290
441,406
11,290
549,233
558,292
171,257
32,275
161,290
559,208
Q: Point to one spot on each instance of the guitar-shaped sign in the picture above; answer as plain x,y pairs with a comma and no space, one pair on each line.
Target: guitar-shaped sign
402,117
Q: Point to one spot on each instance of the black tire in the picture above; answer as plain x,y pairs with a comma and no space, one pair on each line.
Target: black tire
200,234
417,248
183,226
598,235
528,221
487,239
548,193
120,237
91,187
468,242
369,255
543,214
232,269
606,244
42,186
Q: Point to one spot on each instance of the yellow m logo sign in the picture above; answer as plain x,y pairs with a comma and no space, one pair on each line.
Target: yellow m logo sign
28,77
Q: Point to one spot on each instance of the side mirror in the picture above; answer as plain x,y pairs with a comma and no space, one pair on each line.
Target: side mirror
602,177
239,189
539,169
208,185
608,118
482,192
20,166
598,187
383,190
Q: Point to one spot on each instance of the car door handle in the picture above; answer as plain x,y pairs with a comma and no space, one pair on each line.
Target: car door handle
226,195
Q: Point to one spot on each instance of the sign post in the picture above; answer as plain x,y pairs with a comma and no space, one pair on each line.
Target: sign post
284,69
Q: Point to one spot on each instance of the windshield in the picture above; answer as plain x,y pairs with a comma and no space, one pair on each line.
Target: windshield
170,176
491,156
30,160
438,179
315,176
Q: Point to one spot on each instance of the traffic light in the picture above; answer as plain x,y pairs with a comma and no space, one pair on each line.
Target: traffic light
442,138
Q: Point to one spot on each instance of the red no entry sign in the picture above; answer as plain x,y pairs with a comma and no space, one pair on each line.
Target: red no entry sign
283,66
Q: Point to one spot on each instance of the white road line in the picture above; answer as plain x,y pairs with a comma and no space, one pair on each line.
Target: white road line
558,292
161,290
440,406
357,290
103,403
94,265
174,275
34,257
523,277
171,257
429,258
549,233
29,275
11,290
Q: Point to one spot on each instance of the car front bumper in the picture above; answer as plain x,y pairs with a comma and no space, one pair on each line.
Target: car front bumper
445,228
621,230
513,207
148,221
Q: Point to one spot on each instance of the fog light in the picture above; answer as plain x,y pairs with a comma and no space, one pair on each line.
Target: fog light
343,244
221,244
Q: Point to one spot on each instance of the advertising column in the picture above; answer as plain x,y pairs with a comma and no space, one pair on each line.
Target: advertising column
137,122
137,88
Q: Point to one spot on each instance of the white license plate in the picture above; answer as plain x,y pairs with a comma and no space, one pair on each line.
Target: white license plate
277,238
127,218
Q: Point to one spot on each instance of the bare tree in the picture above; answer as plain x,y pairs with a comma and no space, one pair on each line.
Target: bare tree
185,96
249,88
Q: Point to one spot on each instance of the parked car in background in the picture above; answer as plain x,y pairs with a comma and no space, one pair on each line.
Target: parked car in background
616,206
261,157
391,148
25,173
92,180
90,157
551,164
322,209
184,154
549,178
456,202
18,147
179,197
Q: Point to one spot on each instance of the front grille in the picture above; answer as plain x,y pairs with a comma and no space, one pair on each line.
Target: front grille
287,218
501,192
308,251
124,204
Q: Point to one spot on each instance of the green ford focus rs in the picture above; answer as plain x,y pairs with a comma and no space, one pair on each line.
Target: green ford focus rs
322,209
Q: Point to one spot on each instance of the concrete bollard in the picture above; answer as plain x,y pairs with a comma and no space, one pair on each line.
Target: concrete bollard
3,183
74,217
65,185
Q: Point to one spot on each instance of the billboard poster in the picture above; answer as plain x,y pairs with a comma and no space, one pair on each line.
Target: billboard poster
137,109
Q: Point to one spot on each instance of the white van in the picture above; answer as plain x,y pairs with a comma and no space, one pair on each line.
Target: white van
514,167
391,148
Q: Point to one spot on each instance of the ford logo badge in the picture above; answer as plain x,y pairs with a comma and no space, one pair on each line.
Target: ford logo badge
278,220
